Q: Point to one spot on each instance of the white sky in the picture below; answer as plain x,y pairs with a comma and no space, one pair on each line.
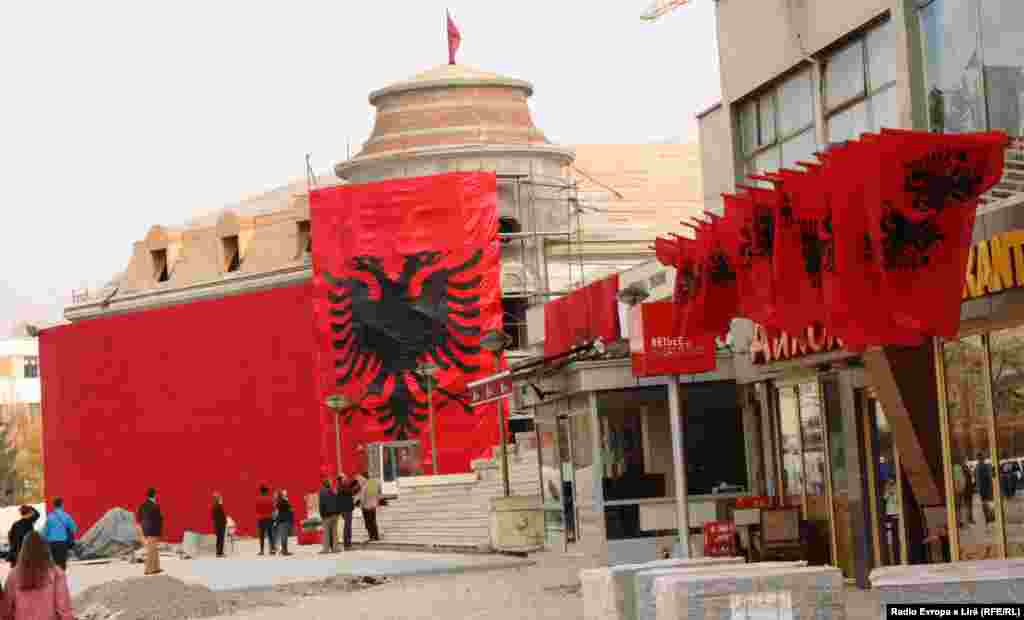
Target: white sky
116,115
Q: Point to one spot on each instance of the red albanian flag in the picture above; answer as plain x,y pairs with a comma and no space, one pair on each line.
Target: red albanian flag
798,258
716,301
687,282
922,221
406,273
756,210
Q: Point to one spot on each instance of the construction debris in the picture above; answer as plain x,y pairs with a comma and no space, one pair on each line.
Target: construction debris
148,598
113,535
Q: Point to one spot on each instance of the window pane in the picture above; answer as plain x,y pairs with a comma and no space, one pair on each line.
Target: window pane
953,66
796,103
1008,383
1001,22
766,112
881,56
885,109
844,74
799,148
792,462
767,160
974,476
748,126
849,124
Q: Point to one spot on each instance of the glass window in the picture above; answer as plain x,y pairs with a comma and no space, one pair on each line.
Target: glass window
799,148
844,74
748,126
767,160
849,124
974,476
1007,348
796,103
1003,52
953,66
716,452
792,462
31,367
881,43
766,116
885,109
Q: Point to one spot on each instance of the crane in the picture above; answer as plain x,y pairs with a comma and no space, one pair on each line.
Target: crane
661,7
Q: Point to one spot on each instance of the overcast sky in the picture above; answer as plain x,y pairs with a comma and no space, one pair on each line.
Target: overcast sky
117,115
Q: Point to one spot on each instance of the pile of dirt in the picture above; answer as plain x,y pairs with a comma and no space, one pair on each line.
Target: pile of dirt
148,598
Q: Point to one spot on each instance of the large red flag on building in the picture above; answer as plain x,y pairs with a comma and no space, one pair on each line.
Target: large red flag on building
406,273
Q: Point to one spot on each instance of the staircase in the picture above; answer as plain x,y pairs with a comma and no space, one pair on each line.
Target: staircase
1011,186
452,511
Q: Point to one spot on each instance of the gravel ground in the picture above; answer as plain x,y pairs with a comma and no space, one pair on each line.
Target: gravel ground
167,598
548,590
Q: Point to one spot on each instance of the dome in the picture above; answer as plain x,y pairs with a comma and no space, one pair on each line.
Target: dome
449,107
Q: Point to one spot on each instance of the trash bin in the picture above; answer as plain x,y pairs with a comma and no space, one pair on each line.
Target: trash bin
517,523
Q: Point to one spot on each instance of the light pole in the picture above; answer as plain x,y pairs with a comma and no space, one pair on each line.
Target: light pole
428,371
338,403
496,341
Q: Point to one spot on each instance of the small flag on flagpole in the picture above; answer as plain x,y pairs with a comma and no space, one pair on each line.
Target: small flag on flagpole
454,38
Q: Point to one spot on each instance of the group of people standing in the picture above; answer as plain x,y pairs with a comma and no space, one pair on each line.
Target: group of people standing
37,585
275,520
340,500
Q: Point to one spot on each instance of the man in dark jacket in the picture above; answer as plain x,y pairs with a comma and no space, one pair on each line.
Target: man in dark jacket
21,527
347,491
984,476
329,515
151,524
220,522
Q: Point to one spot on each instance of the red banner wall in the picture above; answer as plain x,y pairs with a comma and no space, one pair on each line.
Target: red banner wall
406,272
656,348
207,396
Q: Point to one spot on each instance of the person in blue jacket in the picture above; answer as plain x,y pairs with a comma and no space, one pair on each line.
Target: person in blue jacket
60,533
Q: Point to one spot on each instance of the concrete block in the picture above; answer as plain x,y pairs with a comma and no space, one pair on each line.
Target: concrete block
780,592
959,582
644,604
607,592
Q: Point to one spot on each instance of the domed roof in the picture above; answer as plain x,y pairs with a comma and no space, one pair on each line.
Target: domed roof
449,76
448,107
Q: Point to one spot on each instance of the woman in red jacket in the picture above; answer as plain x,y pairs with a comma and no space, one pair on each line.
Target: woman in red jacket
265,518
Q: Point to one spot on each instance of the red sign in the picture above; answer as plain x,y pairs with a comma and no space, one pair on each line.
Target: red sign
655,348
719,539
490,391
760,501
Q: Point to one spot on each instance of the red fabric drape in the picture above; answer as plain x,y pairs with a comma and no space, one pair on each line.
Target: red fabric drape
406,272
585,314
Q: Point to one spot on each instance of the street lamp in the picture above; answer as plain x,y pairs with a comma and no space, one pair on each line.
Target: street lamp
338,403
496,342
428,371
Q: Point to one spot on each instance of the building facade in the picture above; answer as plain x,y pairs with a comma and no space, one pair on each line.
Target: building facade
897,455
561,226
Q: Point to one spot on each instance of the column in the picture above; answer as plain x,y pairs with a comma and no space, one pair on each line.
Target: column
675,414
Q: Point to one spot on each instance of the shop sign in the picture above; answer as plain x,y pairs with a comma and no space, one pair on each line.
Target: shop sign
655,350
816,339
719,539
995,265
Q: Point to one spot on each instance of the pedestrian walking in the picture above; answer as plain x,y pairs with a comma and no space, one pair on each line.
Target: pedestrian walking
329,516
220,523
21,527
984,480
265,519
348,488
285,521
151,525
36,589
369,500
60,533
